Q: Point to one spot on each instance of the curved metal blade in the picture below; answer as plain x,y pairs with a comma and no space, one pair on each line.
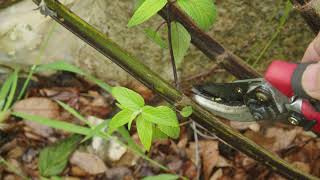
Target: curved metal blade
227,92
234,113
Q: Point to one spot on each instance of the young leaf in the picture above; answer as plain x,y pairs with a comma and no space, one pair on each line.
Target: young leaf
144,129
158,134
120,119
162,177
172,132
138,4
160,115
180,41
186,111
203,12
53,159
128,98
155,37
133,116
147,9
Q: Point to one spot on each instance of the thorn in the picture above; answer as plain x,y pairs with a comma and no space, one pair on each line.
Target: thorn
44,10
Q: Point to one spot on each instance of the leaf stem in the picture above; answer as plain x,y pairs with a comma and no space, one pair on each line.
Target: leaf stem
174,68
160,25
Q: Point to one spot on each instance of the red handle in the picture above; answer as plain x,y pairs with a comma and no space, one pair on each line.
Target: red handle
310,113
279,75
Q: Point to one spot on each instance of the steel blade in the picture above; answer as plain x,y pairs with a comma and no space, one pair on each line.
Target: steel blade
234,113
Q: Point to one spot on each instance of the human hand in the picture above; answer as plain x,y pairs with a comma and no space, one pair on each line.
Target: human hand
311,76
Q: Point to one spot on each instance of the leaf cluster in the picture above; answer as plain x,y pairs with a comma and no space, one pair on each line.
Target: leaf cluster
202,12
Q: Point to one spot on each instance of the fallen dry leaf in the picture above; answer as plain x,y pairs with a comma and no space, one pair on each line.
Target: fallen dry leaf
209,153
38,106
189,170
283,138
90,163
245,125
223,162
302,166
257,137
216,175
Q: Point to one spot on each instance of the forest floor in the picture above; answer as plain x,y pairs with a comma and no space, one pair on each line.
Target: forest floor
22,140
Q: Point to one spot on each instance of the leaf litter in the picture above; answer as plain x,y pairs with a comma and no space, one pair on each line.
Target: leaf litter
22,142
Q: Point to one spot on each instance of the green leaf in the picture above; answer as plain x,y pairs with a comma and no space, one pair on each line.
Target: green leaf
147,9
162,177
53,159
186,111
158,134
160,115
203,12
56,178
138,4
128,98
133,116
144,129
120,119
180,42
173,132
155,37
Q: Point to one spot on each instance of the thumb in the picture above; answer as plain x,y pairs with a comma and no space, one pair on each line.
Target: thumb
311,80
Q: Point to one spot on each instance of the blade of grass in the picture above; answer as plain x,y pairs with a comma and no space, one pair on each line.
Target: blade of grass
95,130
5,90
64,66
38,60
283,19
13,88
74,113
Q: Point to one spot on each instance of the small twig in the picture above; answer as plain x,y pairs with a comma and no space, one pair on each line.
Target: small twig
197,154
176,82
185,123
160,25
204,74
174,68
211,136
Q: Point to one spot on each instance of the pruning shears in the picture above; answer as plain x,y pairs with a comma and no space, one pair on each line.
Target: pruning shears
278,96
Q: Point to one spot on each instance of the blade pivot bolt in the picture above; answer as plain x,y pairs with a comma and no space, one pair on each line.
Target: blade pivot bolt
262,97
293,120
239,90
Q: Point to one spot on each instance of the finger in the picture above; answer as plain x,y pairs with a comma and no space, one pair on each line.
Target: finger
311,80
313,51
